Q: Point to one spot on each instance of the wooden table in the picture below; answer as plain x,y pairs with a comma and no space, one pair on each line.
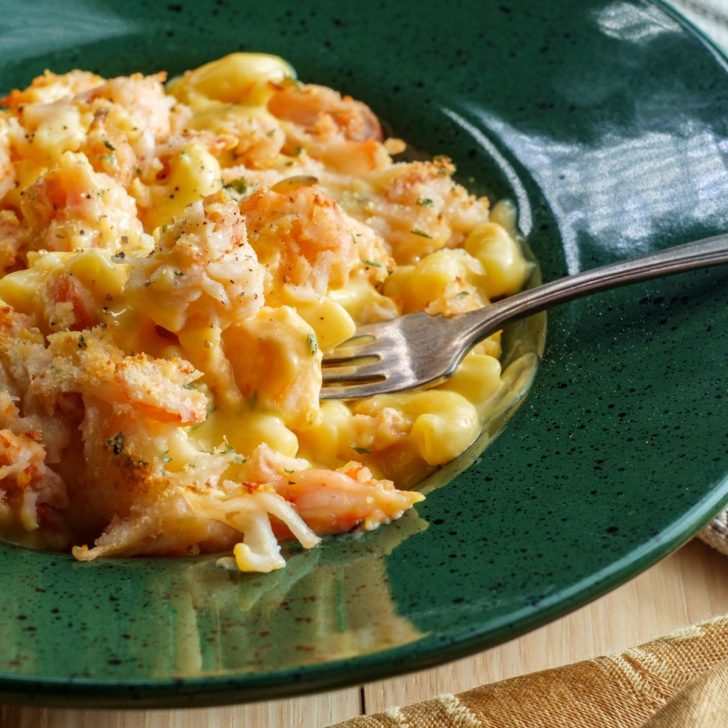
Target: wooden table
688,586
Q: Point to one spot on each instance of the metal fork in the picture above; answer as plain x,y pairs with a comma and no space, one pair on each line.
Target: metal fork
419,350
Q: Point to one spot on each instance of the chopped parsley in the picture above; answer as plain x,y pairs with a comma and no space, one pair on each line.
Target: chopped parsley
109,145
462,294
361,450
421,233
424,202
82,342
164,457
116,443
240,186
372,263
312,342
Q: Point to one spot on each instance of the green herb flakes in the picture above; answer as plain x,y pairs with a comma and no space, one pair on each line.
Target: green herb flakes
116,443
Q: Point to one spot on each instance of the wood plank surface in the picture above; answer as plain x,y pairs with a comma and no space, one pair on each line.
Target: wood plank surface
689,586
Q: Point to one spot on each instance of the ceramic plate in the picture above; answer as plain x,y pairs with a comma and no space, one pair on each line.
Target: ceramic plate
605,122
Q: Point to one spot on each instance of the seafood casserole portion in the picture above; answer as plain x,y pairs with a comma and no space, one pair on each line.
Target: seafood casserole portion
175,259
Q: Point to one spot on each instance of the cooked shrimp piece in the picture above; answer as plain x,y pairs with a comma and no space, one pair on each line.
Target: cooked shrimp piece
143,96
216,144
329,501
259,141
50,87
342,133
157,388
132,116
71,207
202,271
26,482
304,238
77,311
111,149
421,209
257,138
7,171
14,240
324,112
90,365
336,501
291,386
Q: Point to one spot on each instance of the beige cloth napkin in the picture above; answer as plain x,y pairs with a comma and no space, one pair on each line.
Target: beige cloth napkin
678,681
715,534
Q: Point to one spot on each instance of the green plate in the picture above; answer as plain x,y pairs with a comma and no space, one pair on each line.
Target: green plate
607,123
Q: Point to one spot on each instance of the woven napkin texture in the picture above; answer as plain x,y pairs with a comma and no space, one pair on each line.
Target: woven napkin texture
715,534
678,681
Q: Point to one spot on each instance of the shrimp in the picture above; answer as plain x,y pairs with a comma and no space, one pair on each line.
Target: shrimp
337,501
330,501
109,148
50,87
14,240
324,112
292,386
142,96
158,389
342,133
257,139
303,237
89,365
202,272
26,482
71,207
422,209
76,311
7,171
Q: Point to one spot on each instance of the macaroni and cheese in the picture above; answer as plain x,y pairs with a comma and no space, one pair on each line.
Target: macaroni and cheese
175,259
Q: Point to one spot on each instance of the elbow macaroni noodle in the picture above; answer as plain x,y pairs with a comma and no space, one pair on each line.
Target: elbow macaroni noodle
175,262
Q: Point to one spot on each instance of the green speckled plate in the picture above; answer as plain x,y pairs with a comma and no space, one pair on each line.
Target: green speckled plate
607,123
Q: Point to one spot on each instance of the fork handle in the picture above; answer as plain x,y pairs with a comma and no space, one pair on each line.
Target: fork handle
711,251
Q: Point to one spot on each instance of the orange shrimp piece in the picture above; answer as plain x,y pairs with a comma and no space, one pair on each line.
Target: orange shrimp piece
321,110
67,289
336,501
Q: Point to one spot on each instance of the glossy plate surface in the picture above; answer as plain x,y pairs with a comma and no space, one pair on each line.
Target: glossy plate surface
606,121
